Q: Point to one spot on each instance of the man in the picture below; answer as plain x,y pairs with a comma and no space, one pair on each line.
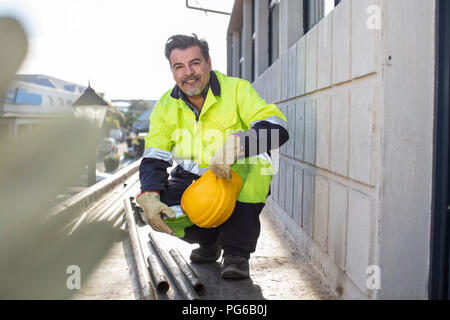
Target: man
209,121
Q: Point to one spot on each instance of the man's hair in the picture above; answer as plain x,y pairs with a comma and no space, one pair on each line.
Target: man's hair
183,42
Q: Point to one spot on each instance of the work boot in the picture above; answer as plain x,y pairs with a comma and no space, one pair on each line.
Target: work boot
234,267
206,254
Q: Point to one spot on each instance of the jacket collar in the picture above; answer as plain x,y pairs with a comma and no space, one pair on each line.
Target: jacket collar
213,84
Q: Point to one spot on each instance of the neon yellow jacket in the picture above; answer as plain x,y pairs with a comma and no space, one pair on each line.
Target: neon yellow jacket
231,105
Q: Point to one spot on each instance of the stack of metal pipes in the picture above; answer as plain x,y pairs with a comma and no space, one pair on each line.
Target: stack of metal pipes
161,266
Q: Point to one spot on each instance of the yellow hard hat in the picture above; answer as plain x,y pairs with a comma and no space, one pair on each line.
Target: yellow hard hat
209,201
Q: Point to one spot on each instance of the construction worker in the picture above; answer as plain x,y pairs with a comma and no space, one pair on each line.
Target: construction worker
209,121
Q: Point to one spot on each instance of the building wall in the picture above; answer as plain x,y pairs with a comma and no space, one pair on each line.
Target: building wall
353,186
407,158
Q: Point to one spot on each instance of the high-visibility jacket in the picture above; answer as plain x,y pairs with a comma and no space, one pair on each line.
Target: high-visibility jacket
175,134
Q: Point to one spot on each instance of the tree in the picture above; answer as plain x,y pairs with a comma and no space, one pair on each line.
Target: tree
114,119
143,105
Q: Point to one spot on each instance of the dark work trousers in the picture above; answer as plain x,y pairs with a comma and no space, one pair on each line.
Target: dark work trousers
238,235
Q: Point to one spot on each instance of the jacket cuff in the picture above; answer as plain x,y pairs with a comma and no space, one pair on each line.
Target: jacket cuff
252,143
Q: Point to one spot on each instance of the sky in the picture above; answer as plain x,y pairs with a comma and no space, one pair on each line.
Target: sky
117,45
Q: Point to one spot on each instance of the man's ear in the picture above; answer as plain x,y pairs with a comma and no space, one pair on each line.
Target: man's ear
209,63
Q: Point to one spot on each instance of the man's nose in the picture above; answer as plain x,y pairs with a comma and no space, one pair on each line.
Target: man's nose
190,70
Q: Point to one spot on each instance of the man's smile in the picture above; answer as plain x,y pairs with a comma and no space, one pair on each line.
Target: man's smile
190,80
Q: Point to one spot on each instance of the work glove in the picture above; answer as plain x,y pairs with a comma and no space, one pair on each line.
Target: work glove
154,210
225,157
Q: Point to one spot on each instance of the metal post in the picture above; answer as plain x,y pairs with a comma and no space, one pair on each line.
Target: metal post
145,284
205,10
92,166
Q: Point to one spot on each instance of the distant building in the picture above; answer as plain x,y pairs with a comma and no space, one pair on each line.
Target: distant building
30,99
142,123
31,94
122,105
142,105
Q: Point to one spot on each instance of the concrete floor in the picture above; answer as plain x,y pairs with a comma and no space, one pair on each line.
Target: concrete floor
277,269
114,278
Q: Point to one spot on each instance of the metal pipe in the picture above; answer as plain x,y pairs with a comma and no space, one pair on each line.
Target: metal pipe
102,209
206,10
118,218
107,213
109,207
116,215
190,274
120,223
72,207
182,283
156,269
145,284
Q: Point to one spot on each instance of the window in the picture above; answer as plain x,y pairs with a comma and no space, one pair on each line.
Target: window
10,96
48,101
274,30
315,10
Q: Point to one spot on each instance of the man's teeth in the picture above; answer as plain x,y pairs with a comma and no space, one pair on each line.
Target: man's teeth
191,80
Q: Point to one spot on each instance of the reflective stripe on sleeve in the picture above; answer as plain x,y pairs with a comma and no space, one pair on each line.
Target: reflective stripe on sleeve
155,153
265,156
272,119
191,166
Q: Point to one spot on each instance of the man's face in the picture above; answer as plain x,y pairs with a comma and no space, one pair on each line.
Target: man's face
190,70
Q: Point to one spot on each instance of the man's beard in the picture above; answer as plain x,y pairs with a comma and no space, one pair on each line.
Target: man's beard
195,92
192,91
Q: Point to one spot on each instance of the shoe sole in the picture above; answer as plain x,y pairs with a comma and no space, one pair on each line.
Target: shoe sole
234,273
202,260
